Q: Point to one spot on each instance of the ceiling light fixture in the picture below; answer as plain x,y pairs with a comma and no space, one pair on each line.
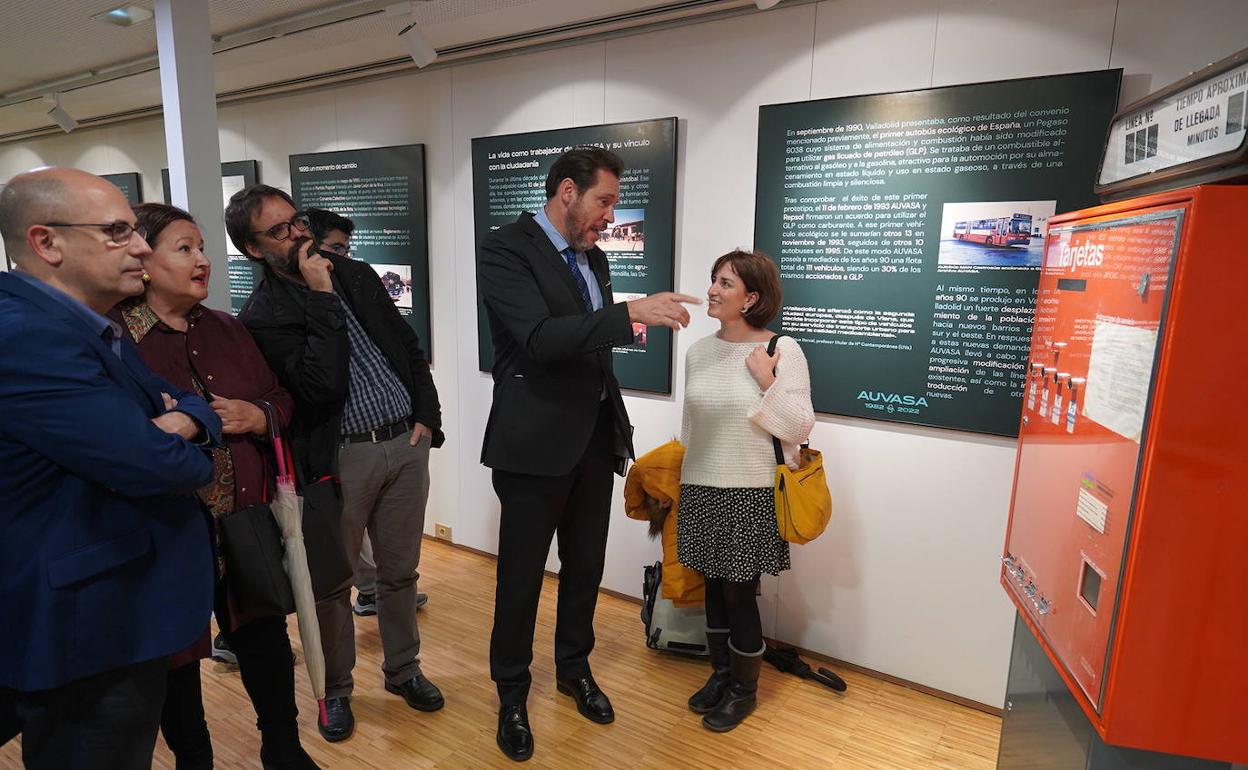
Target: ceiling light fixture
765,4
58,113
418,46
124,15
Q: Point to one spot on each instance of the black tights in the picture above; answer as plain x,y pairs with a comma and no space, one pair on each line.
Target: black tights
734,605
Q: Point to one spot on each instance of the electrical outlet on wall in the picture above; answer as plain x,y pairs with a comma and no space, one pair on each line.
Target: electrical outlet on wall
441,531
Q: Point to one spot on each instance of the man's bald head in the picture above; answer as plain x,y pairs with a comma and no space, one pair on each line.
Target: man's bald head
43,195
58,224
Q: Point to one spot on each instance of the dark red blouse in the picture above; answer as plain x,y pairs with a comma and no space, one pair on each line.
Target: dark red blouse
217,351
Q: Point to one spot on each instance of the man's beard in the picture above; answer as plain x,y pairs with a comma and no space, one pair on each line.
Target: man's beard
576,223
287,262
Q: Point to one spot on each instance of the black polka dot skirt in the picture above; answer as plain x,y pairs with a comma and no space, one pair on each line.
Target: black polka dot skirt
730,533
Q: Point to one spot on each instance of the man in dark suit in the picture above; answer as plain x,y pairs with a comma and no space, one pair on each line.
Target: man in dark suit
558,426
106,553
366,411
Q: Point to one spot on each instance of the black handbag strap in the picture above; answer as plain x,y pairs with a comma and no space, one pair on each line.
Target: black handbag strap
270,472
775,442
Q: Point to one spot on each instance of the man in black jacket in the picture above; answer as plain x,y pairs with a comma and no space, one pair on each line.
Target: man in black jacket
333,234
558,426
366,410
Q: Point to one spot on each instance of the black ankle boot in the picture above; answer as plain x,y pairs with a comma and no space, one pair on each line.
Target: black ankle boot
742,695
713,691
286,757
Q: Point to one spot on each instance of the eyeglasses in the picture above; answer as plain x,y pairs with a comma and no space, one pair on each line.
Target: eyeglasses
341,249
119,233
281,230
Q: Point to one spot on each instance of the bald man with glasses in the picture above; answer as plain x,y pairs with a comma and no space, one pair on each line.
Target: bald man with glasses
106,552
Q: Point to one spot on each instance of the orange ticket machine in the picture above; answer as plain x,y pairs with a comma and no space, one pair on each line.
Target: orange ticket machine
1125,551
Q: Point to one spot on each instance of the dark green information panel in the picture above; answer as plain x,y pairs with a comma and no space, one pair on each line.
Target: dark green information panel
244,273
382,191
909,230
509,177
131,185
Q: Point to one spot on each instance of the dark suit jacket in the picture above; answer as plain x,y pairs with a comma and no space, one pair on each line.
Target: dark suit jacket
303,336
552,359
105,550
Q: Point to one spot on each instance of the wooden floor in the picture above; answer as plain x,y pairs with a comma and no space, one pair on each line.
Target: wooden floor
798,724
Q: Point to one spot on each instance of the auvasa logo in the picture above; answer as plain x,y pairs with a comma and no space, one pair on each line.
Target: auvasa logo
880,397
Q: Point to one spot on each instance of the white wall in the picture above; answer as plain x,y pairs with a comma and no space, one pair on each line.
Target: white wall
905,580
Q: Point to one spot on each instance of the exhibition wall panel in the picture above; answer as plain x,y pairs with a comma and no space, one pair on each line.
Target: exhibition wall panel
382,190
130,184
904,581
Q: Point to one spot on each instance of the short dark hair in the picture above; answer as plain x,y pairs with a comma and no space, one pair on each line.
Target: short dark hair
242,207
323,221
581,165
759,274
155,217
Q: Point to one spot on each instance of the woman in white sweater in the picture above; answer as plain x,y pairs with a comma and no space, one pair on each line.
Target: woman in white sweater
736,398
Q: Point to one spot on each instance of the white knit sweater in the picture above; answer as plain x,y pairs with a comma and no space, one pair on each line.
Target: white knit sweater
728,422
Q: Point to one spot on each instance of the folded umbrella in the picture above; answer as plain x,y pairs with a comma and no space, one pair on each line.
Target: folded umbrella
287,509
785,659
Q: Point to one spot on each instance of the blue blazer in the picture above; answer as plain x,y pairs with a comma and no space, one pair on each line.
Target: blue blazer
105,556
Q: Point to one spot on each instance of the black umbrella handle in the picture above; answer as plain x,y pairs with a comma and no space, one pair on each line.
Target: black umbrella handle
830,679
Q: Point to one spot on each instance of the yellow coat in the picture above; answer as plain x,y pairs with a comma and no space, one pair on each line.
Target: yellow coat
654,482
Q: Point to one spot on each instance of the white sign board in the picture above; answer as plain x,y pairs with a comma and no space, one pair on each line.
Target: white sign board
1196,123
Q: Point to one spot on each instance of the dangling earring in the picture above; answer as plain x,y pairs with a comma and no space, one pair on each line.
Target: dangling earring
745,309
147,278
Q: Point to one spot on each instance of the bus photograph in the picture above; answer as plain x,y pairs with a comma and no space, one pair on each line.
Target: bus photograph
993,235
1002,231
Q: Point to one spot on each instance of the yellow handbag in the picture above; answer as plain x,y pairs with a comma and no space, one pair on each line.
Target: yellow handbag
803,502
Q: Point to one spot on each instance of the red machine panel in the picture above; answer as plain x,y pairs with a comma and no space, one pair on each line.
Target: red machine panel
1128,511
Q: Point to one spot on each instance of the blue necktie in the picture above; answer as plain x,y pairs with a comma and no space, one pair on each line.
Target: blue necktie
570,257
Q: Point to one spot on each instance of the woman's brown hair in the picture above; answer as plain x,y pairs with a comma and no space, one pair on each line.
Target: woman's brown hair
759,274
157,216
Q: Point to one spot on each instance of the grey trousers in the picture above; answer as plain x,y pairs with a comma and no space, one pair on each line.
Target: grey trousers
385,487
366,568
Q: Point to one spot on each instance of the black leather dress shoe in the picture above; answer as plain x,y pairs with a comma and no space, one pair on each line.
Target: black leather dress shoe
338,722
514,738
420,693
591,701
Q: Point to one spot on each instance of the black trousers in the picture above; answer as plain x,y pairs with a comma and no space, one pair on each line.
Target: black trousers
105,722
576,507
264,661
182,719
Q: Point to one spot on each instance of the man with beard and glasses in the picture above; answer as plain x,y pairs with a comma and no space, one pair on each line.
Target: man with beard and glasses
558,426
366,411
